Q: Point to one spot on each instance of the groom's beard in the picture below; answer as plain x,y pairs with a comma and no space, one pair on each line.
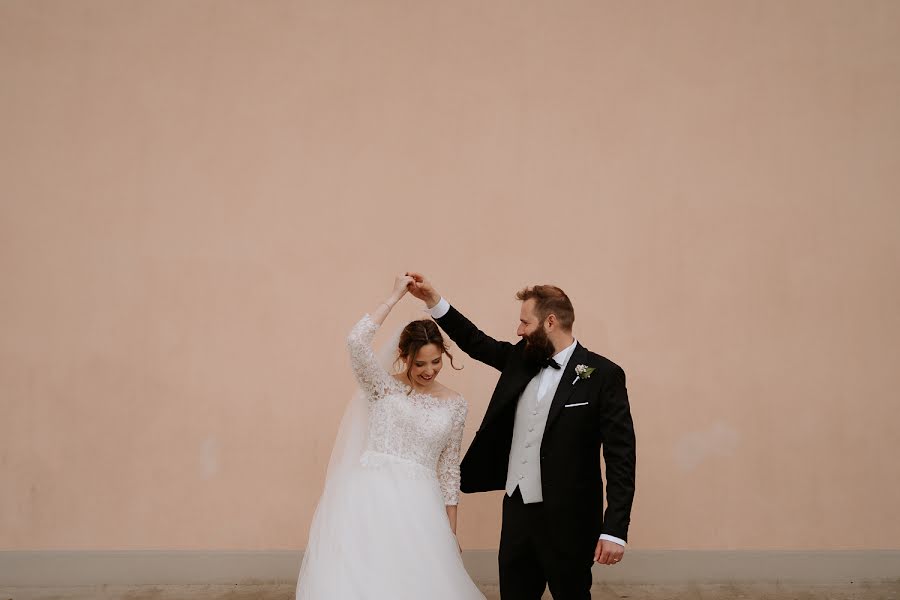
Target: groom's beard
538,346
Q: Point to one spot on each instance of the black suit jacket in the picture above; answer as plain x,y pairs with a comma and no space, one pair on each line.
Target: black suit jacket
571,478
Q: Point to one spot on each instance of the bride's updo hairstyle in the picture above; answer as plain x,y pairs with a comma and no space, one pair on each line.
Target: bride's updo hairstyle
417,334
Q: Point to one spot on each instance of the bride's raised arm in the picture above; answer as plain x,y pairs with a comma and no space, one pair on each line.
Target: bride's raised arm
372,378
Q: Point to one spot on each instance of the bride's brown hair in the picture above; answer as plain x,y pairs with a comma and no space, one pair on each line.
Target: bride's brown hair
417,334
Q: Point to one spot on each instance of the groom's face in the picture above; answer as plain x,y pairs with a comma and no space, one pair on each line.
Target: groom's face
537,345
528,320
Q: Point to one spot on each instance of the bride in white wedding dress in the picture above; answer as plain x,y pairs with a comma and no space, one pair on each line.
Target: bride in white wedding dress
385,526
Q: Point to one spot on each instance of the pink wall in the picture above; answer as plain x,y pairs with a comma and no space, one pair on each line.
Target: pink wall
198,199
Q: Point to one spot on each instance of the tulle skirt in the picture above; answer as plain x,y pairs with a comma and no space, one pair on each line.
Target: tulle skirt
381,532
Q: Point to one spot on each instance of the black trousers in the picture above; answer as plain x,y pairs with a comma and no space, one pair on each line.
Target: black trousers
532,556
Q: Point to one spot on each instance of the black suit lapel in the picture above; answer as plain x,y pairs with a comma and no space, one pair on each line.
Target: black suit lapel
508,390
566,385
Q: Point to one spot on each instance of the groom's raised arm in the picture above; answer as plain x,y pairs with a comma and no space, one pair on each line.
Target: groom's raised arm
469,338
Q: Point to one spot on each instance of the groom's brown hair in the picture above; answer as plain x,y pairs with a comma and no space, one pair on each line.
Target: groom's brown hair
549,299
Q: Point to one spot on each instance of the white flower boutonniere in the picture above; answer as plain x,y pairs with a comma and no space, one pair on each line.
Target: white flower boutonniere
582,372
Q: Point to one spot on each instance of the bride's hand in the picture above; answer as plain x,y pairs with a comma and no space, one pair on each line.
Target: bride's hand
401,285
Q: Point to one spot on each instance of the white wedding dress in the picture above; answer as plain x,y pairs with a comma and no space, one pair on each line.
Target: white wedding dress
380,531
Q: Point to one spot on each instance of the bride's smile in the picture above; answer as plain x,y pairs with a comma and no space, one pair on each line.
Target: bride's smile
426,366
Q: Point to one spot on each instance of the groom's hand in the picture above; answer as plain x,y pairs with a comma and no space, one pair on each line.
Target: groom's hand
608,553
422,289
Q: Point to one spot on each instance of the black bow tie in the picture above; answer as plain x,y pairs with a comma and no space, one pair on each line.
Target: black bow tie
549,362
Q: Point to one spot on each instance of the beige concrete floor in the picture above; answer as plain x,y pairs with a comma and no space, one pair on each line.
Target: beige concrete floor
756,591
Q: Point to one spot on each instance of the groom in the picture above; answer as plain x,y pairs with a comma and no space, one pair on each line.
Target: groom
556,405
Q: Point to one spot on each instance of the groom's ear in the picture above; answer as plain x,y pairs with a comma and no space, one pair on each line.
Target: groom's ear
552,321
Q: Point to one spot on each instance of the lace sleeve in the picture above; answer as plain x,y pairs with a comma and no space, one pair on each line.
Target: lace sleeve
448,463
372,378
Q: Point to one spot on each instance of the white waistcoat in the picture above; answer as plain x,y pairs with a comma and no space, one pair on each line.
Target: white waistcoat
524,468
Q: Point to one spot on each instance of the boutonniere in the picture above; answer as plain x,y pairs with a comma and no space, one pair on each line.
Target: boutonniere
582,372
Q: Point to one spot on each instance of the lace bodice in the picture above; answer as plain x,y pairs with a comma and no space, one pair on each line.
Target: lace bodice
408,425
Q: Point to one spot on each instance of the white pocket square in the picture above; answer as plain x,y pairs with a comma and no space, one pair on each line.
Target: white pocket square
576,404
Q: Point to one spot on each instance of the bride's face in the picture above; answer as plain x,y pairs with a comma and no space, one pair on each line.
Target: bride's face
426,365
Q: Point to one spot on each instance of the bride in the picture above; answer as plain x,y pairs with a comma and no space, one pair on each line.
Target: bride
385,526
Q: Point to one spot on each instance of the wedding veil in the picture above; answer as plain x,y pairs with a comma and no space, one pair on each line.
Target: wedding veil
352,436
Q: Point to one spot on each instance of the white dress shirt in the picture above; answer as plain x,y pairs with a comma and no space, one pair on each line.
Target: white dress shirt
549,378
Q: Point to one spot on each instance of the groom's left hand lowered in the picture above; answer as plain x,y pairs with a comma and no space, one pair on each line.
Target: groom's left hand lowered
608,553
